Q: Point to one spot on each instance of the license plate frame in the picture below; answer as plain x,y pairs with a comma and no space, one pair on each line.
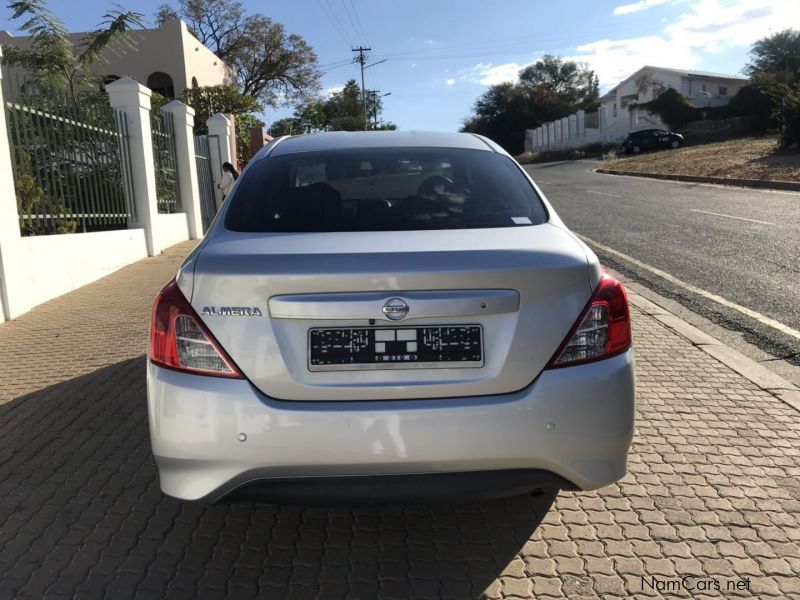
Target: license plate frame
468,358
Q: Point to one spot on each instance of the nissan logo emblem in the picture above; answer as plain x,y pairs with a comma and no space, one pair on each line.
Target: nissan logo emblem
395,309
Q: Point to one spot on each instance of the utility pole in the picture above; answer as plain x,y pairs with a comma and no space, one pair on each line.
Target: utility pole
375,94
361,59
374,99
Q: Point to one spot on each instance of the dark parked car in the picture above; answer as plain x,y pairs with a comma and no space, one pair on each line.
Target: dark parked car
651,139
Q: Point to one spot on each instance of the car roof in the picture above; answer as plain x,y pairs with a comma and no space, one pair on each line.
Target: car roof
341,140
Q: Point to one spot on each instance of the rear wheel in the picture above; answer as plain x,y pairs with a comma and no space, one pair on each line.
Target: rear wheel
636,150
675,144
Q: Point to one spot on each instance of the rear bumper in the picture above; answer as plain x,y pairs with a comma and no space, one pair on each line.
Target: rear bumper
394,489
574,423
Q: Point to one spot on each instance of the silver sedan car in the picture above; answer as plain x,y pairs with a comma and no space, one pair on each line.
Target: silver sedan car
388,316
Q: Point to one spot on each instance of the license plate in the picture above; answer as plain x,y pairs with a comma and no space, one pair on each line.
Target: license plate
357,348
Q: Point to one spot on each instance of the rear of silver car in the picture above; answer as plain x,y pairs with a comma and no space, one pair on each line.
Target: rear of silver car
365,311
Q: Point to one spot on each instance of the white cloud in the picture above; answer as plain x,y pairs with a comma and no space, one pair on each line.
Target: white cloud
706,27
489,74
450,81
626,9
326,93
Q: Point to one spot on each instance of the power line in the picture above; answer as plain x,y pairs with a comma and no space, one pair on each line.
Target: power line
338,29
336,63
358,21
329,69
335,14
352,22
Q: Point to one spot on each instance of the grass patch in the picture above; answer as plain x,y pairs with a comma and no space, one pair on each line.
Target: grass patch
747,158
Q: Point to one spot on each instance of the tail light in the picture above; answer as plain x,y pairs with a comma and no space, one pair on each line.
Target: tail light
603,329
179,340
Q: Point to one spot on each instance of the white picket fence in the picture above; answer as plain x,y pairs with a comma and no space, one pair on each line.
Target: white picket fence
583,129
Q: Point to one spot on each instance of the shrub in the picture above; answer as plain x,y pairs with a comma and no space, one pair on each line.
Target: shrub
790,133
673,108
754,102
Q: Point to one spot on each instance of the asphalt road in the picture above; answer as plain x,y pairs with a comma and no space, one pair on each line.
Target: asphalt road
741,245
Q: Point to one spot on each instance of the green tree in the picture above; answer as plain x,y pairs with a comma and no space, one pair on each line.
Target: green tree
52,59
212,99
275,67
777,55
281,127
343,110
550,89
572,83
775,67
226,99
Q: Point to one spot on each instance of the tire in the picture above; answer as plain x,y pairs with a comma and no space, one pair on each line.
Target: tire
675,144
636,150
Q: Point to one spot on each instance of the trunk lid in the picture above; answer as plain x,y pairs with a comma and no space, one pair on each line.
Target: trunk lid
522,287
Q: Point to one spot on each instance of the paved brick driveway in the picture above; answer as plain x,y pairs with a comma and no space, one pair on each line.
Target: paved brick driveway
714,490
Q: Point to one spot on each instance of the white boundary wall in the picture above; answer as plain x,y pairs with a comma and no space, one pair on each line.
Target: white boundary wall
38,268
568,133
35,269
170,229
572,133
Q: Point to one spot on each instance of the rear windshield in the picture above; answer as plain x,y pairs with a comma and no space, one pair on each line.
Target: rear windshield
383,189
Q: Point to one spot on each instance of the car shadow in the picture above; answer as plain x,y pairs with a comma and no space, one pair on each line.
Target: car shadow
81,514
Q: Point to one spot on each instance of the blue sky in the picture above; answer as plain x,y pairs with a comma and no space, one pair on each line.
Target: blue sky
443,53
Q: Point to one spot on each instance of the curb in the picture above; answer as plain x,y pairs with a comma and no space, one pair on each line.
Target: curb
770,382
791,186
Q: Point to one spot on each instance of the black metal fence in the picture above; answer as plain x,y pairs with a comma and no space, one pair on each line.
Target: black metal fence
71,165
205,179
163,133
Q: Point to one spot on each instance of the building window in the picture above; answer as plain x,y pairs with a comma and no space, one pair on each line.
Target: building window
161,83
723,91
704,87
615,110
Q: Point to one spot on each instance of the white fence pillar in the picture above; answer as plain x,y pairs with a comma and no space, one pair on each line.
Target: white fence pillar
581,124
232,140
602,121
557,131
132,99
219,128
551,136
564,130
573,131
183,117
